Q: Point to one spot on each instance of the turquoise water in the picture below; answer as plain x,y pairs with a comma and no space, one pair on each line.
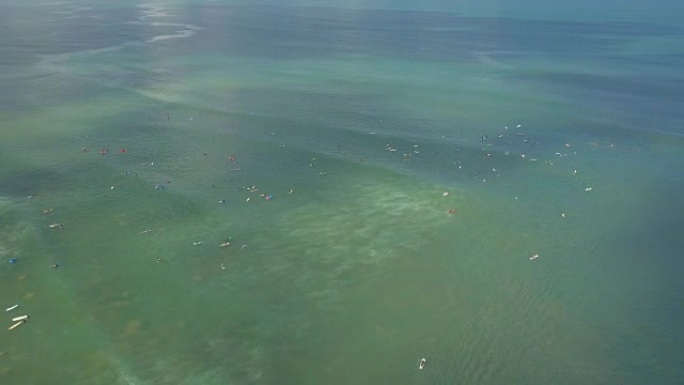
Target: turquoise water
549,131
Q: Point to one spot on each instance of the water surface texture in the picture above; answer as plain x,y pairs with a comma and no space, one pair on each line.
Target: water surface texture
316,192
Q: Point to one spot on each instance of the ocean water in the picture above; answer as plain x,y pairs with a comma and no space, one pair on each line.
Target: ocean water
383,172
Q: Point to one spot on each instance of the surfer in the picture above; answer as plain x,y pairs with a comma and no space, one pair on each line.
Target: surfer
422,363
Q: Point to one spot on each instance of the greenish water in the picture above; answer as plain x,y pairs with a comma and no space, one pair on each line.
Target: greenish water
553,134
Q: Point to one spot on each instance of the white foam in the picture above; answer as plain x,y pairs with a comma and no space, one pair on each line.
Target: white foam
186,30
178,35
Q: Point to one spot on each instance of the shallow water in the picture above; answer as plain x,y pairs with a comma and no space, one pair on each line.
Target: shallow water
558,136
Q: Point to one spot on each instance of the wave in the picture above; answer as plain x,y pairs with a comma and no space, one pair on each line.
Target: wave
150,12
188,31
